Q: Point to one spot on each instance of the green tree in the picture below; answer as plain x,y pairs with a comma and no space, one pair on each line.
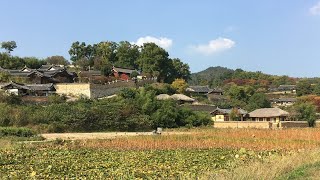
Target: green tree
316,89
33,62
77,51
166,116
154,60
235,115
127,55
107,51
258,100
56,60
303,88
237,93
180,70
11,62
9,46
306,112
81,51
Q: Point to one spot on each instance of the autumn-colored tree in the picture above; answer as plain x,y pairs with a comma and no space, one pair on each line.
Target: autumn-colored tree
180,85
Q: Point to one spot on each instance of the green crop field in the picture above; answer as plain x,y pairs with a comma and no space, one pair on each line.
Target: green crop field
201,154
52,162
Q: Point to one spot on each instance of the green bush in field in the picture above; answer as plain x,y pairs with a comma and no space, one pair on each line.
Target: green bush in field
14,131
56,99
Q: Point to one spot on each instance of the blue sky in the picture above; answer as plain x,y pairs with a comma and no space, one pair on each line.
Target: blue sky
276,37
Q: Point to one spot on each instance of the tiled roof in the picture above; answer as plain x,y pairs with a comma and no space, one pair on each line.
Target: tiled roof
284,100
32,87
199,89
228,111
124,70
41,87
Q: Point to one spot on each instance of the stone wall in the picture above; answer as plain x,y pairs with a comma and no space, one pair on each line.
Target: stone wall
242,124
94,91
262,124
294,124
73,89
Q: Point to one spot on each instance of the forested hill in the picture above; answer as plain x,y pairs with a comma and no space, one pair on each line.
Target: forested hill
211,74
220,76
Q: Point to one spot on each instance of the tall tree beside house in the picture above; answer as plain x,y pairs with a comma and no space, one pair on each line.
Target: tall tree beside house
56,60
11,62
105,56
154,60
127,55
84,53
180,69
306,112
107,51
9,46
235,115
258,100
77,51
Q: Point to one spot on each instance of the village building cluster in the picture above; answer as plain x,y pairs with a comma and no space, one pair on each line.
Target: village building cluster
45,80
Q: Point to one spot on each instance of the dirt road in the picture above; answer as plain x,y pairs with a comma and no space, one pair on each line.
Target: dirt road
108,135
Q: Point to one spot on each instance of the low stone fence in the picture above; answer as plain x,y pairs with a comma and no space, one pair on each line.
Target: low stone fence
243,124
294,124
262,124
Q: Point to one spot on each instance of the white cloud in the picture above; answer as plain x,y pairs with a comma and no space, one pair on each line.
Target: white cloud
163,42
315,10
214,46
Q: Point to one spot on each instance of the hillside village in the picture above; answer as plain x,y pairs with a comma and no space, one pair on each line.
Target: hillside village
223,94
160,90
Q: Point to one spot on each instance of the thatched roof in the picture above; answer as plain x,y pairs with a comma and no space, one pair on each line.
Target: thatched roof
163,97
227,111
177,97
182,97
124,70
268,112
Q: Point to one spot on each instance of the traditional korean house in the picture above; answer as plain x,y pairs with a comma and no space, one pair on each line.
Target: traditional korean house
123,73
224,114
45,74
29,89
283,102
198,90
268,114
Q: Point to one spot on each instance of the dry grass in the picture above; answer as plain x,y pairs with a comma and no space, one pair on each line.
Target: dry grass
5,143
276,167
254,139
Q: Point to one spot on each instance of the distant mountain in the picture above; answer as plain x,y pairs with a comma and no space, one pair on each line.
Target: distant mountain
220,76
211,76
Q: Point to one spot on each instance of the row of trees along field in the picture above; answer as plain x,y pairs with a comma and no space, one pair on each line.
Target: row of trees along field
150,59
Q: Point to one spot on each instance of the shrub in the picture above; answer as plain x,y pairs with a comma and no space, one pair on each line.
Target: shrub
57,99
14,131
